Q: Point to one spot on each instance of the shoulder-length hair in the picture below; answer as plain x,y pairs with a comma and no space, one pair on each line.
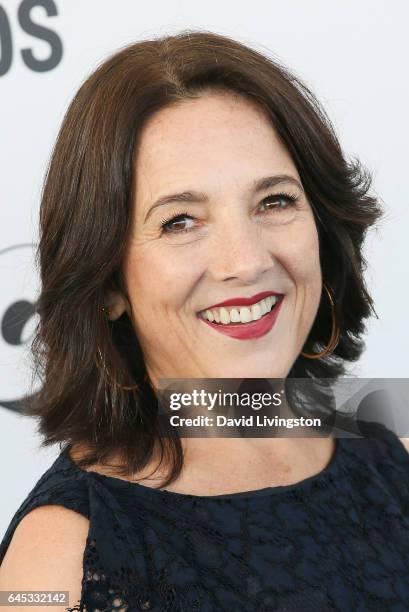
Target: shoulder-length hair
85,213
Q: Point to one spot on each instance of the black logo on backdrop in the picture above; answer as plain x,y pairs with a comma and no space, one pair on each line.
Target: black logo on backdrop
17,322
29,26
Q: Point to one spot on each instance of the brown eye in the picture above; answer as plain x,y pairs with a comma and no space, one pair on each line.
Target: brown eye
169,225
289,200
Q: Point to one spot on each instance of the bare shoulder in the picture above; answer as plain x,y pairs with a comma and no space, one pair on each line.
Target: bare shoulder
46,554
116,462
405,442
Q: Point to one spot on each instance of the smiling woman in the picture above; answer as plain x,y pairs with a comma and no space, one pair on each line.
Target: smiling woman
199,220
240,235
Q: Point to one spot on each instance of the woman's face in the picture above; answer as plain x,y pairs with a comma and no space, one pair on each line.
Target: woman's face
229,241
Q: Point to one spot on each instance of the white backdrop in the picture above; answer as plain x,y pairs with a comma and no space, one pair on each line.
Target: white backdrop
352,54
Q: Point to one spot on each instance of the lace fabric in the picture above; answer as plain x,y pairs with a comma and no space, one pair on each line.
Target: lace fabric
336,541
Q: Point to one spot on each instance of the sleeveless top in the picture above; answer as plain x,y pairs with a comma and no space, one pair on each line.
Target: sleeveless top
338,540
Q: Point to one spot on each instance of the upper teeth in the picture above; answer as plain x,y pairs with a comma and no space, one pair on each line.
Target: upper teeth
240,314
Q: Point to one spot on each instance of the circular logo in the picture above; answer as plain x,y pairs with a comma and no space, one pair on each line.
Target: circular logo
18,320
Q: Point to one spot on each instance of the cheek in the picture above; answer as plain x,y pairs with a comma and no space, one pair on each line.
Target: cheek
309,275
161,280
302,258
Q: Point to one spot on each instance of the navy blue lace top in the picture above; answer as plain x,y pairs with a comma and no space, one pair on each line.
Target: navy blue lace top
338,540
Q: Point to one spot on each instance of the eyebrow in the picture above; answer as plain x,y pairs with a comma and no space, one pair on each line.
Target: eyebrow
196,197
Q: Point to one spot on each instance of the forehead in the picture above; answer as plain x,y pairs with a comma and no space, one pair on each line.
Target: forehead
216,134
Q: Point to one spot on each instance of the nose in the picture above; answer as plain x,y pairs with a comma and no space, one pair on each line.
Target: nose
240,252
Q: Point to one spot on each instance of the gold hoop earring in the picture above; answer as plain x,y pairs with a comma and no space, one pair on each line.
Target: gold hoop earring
335,333
109,377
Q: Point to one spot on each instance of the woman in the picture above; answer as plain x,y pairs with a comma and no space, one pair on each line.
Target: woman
191,170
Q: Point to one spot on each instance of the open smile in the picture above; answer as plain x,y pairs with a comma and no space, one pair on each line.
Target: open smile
244,322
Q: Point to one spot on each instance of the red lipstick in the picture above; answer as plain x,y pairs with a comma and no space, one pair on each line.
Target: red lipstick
254,329
243,301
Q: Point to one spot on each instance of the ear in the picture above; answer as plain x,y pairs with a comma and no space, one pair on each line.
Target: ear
117,304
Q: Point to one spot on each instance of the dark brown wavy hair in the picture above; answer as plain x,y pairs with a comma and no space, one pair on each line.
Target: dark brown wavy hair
85,214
